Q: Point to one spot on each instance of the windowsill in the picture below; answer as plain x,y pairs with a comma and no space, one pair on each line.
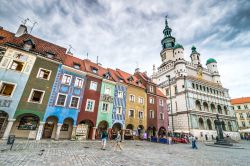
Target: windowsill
73,107
89,110
5,96
59,105
93,89
104,111
34,102
80,87
43,79
65,84
16,70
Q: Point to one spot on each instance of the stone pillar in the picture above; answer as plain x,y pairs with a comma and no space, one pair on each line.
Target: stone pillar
40,131
109,133
8,128
73,135
58,129
93,133
123,134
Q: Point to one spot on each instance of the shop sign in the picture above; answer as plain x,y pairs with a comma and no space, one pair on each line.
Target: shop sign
81,131
5,103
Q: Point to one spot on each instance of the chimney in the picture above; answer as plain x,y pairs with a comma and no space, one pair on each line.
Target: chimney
137,70
21,30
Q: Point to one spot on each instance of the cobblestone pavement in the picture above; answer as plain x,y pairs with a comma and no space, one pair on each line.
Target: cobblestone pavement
138,153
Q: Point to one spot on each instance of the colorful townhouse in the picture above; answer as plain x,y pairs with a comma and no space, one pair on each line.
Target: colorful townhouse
157,119
90,104
33,103
65,100
119,105
15,67
136,105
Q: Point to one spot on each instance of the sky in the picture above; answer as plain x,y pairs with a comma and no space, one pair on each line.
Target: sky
127,34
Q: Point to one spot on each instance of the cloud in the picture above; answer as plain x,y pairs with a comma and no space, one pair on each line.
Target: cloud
124,34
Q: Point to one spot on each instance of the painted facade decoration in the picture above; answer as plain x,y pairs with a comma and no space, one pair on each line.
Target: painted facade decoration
136,105
64,103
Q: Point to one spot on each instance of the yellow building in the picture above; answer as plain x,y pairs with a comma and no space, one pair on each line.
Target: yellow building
241,107
136,104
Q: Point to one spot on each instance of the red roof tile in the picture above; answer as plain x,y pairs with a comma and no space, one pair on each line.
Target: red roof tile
159,93
126,76
241,100
5,35
70,60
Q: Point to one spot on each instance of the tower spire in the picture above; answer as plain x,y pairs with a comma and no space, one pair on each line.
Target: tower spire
168,41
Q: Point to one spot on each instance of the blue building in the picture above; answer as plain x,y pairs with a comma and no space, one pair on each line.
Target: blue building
65,100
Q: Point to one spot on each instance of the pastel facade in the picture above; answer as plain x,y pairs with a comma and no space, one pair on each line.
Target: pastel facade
64,103
15,68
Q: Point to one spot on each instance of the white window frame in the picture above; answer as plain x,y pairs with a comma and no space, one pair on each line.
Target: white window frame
151,88
32,90
105,91
140,100
77,103
153,114
6,82
117,108
69,80
139,114
11,62
129,113
161,102
121,94
38,73
92,109
65,99
93,82
108,107
151,100
133,98
80,79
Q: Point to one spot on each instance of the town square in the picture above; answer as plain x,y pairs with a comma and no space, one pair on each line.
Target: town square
99,82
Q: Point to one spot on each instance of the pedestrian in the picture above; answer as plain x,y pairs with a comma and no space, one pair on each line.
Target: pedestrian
104,139
194,146
118,140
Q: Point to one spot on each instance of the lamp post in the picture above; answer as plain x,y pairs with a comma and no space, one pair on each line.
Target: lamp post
170,102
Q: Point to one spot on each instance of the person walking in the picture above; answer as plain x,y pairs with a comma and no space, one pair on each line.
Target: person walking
104,139
118,140
194,146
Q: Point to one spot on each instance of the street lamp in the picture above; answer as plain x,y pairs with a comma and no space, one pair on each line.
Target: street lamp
170,102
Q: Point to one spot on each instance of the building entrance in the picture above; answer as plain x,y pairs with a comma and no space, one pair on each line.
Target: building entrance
3,122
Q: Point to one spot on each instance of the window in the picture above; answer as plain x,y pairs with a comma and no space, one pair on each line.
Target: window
7,89
132,98
140,115
50,55
65,127
131,113
197,86
28,123
43,74
27,46
74,102
94,70
175,90
151,100
161,116
105,107
161,102
93,85
167,92
243,124
193,85
151,89
119,110
246,107
152,114
77,66
169,107
107,91
66,79
120,94
61,99
239,107
248,115
78,82
16,65
141,100
90,105
241,115
36,96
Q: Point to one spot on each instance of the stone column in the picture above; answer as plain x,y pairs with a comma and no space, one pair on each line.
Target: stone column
122,134
58,129
93,133
40,131
73,135
8,128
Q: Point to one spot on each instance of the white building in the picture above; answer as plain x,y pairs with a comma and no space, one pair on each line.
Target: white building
197,94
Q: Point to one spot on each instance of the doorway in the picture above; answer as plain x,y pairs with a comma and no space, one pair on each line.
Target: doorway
49,127
3,122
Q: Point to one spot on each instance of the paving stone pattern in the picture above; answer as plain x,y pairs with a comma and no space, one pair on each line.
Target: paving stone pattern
135,153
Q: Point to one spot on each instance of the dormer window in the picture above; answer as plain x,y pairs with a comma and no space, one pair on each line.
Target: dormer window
28,44
94,70
130,79
77,66
107,75
50,55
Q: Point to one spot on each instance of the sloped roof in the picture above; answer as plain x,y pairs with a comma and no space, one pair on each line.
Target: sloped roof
42,46
126,76
5,35
159,93
70,60
241,100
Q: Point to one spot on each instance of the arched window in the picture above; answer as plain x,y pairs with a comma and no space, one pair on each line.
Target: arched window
28,123
225,110
219,109
209,124
205,105
201,124
224,126
212,108
198,105
230,126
